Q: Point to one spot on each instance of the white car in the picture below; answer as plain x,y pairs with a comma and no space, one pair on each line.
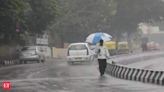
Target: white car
79,52
31,53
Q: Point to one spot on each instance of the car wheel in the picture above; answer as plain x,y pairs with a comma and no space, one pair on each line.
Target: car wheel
42,61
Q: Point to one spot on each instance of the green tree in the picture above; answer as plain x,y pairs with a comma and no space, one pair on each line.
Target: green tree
30,16
132,12
82,17
40,15
11,12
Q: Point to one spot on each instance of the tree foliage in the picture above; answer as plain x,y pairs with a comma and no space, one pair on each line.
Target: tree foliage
82,17
32,16
41,15
131,12
10,13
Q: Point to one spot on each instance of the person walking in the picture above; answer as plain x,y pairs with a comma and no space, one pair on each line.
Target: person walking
102,56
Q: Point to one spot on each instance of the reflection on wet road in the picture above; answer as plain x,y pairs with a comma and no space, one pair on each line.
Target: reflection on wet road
55,76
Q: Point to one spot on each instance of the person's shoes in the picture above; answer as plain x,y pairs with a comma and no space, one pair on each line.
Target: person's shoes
102,77
113,62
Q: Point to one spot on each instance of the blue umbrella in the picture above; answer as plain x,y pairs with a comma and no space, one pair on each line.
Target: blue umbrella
96,37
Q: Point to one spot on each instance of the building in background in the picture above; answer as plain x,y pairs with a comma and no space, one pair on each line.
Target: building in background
152,33
148,28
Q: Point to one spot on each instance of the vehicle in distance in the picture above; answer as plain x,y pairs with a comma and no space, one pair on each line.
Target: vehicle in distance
31,53
123,47
79,52
153,46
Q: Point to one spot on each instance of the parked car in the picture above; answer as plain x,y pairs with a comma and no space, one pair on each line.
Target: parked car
31,53
79,52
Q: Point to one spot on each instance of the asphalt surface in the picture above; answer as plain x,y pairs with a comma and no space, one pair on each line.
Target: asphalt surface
155,64
58,76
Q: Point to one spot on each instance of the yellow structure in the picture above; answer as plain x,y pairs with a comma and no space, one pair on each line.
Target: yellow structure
117,48
123,47
112,47
59,52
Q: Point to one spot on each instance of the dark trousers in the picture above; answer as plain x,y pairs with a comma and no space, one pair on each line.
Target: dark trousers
102,66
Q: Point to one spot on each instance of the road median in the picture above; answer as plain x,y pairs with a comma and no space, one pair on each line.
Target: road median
146,76
119,70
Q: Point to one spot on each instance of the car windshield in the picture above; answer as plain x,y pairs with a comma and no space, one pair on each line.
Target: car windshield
78,47
28,48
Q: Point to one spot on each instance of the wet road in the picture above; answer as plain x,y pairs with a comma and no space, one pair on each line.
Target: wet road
58,76
155,64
